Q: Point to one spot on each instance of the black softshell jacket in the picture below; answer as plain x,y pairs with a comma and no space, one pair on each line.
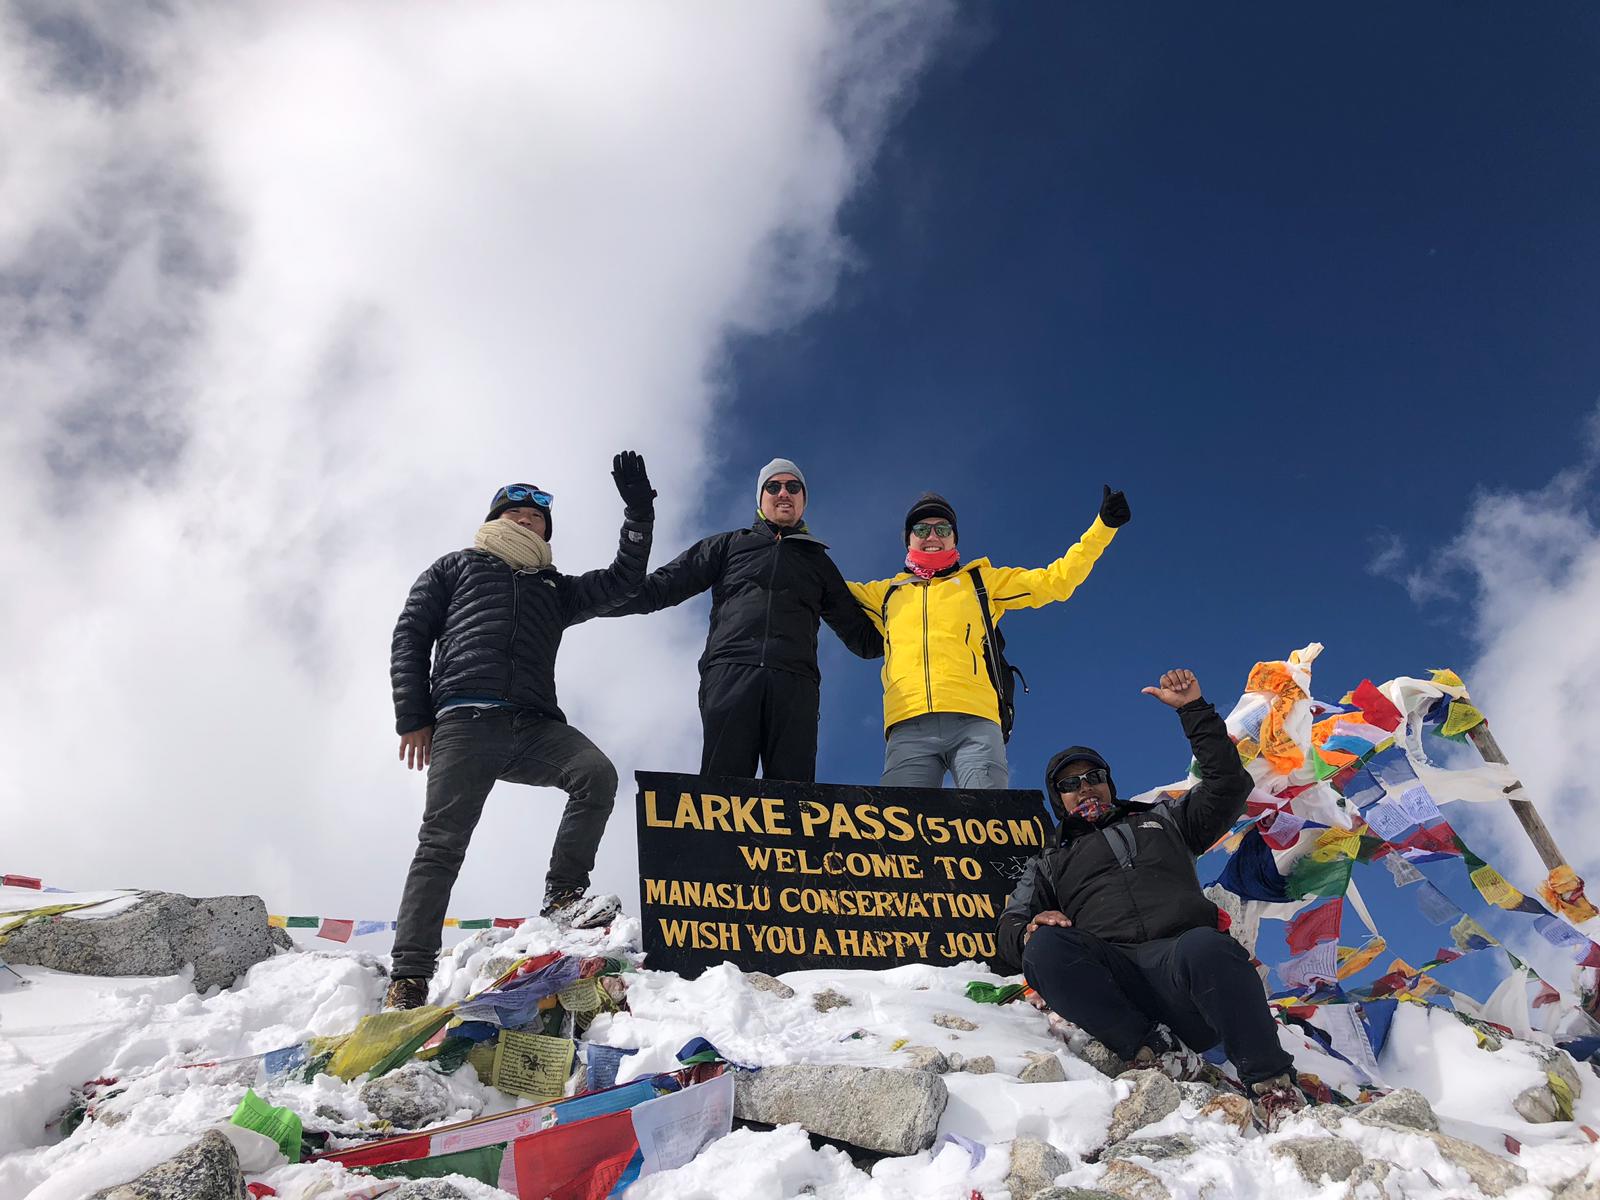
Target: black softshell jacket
1158,894
769,586
493,631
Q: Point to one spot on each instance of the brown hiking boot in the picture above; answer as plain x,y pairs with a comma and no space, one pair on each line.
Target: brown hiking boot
406,993
1276,1099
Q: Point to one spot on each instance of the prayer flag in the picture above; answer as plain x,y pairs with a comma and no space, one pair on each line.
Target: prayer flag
336,931
1314,925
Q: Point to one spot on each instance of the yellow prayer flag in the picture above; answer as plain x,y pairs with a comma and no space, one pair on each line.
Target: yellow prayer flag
1354,960
452,922
1335,844
1461,717
532,1065
1445,677
277,922
1492,886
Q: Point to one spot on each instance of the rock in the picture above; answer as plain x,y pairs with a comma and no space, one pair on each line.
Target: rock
1552,1100
980,1064
1332,1118
1034,1166
408,1098
827,1001
1577,1188
223,936
1317,1157
925,1058
1538,1105
1493,1175
1407,1107
1173,1145
1371,1172
762,982
956,1062
951,1021
1231,1109
1154,1096
1102,1058
889,1110
1072,1193
1042,1068
1130,1181
280,938
427,1189
1196,1093
206,1170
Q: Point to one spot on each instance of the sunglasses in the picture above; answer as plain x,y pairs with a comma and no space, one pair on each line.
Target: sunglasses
939,528
1071,783
793,486
527,495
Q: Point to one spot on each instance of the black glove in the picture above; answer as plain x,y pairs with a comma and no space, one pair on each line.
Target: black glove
633,484
1114,509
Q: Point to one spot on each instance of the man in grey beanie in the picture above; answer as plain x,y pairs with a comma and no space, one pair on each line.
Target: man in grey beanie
771,585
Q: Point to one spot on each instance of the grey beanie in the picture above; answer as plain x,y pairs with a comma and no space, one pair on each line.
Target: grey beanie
779,466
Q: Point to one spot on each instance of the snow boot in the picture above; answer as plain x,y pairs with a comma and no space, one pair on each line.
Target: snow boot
407,992
1165,1053
572,908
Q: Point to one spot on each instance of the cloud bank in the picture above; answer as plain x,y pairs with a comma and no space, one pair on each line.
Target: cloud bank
286,291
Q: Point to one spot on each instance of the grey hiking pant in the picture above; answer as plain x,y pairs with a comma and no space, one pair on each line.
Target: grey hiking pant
472,749
921,749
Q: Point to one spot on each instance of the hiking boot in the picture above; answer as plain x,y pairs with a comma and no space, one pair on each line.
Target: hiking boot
1165,1053
573,908
408,992
1276,1099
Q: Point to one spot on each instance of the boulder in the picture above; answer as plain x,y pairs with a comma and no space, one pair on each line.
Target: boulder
426,1189
1130,1181
1101,1057
925,1058
951,1021
223,936
1231,1109
1154,1096
1552,1100
979,1064
1374,1172
1034,1166
762,982
409,1098
1493,1175
889,1110
1072,1193
1317,1158
1173,1145
1407,1107
1042,1068
206,1170
828,1000
1577,1188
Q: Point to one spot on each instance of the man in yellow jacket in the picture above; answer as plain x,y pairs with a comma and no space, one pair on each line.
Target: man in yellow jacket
941,711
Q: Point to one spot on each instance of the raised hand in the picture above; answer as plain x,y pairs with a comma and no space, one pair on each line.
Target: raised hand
633,482
1114,509
1177,688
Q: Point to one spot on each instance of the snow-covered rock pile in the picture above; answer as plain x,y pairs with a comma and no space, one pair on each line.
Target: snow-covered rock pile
889,1084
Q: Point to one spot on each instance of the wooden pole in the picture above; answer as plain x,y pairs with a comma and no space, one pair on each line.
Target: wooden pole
1532,823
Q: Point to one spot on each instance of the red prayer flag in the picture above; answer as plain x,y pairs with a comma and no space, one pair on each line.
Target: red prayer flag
22,881
581,1161
336,931
1376,707
508,922
1315,925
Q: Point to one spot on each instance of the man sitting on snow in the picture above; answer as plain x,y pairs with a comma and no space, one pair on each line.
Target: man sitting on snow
1112,930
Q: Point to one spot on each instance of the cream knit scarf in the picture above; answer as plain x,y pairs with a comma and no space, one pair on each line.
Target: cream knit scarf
524,549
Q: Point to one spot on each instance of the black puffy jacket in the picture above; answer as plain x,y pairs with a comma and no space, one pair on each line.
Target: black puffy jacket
1158,894
770,586
493,631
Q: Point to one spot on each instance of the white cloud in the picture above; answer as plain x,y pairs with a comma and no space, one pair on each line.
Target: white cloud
286,292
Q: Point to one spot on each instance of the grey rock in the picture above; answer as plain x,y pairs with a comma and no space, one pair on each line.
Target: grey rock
1537,1105
1332,1118
926,1058
280,938
1317,1157
1493,1175
979,1064
1407,1107
1042,1068
1072,1193
762,982
955,1062
1173,1145
409,1098
1154,1096
223,936
889,1110
1373,1172
426,1189
1034,1166
951,1021
1577,1188
499,965
1196,1093
1102,1058
1130,1181
206,1170
828,1000
1542,1103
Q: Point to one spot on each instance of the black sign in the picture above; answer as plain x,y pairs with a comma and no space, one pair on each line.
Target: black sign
777,876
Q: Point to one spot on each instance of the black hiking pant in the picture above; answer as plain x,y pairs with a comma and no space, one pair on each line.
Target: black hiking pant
759,713
1199,984
473,748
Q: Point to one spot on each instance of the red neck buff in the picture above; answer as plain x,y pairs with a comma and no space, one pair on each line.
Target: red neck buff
925,564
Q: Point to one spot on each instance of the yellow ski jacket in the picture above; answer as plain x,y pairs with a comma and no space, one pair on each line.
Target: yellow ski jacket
933,629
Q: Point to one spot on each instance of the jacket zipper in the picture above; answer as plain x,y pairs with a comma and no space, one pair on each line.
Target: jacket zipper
1127,885
511,643
927,673
970,651
766,629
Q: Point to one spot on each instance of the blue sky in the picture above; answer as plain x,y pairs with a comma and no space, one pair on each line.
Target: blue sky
1301,286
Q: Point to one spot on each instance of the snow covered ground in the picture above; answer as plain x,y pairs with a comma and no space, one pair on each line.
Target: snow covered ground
61,1031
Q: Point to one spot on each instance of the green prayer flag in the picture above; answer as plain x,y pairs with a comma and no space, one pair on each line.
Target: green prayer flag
303,922
988,993
1313,878
279,1124
482,1164
476,923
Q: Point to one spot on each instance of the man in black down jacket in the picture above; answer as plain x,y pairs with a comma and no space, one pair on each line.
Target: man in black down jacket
491,618
770,584
1111,928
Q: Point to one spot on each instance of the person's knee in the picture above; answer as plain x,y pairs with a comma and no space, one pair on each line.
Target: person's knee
1052,947
595,777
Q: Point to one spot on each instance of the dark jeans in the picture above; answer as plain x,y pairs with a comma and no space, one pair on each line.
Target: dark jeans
758,713
1199,984
472,749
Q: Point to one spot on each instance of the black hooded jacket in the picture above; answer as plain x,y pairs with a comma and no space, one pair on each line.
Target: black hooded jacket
1158,894
770,586
493,632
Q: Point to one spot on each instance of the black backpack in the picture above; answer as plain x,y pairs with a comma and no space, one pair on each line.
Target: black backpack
1002,674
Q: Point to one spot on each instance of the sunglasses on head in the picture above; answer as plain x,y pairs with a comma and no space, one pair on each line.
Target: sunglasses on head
793,486
518,494
938,528
1071,783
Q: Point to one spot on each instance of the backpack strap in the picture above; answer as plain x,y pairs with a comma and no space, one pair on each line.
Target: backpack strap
1122,844
889,591
991,650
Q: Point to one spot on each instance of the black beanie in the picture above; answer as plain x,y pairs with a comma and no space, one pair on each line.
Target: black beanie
931,504
1071,754
503,501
